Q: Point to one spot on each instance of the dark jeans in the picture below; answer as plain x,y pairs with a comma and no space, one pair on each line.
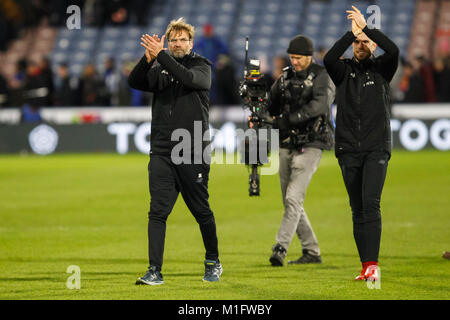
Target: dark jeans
364,175
166,181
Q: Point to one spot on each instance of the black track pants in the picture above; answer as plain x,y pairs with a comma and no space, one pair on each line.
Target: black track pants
166,181
364,175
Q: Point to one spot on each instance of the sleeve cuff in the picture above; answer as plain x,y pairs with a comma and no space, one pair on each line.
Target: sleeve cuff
349,36
162,57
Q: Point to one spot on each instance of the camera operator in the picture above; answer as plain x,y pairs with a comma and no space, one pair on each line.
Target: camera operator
363,135
299,101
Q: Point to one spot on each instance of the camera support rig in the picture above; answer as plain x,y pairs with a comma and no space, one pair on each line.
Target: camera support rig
253,91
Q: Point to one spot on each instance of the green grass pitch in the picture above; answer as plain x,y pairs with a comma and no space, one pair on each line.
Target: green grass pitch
90,210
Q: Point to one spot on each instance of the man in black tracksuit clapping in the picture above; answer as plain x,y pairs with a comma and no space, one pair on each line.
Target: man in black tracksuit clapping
363,135
180,82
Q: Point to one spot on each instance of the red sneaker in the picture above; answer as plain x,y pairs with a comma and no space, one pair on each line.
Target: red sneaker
372,273
361,275
369,269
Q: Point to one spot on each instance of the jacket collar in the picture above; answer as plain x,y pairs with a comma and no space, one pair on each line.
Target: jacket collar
304,73
192,56
365,64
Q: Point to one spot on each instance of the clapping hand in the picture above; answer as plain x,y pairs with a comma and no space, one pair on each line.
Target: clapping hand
358,20
153,45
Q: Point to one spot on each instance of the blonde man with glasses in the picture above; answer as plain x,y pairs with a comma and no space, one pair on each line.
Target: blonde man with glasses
180,81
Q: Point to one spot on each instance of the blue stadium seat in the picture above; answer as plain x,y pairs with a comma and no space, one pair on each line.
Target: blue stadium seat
291,18
311,30
283,42
292,5
385,5
62,45
316,7
287,31
222,31
243,32
248,19
228,7
224,20
79,57
269,23
89,33
272,7
338,6
333,30
109,44
269,18
76,69
59,57
251,6
200,20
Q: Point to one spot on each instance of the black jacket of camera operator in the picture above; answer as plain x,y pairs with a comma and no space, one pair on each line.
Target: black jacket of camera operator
301,102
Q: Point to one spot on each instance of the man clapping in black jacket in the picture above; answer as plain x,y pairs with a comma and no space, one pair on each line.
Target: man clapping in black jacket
180,82
363,135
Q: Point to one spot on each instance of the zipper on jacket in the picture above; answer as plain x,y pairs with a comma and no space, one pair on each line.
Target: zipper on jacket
358,101
173,95
359,132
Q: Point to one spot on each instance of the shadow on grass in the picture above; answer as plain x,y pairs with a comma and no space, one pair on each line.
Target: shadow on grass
429,258
419,287
62,276
75,260
179,274
106,273
30,279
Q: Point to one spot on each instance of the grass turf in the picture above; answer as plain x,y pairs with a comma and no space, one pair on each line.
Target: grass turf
90,210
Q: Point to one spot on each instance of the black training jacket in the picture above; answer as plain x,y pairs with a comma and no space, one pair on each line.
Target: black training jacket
362,95
180,96
321,98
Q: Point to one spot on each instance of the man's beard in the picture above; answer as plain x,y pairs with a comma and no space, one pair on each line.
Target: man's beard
362,56
179,53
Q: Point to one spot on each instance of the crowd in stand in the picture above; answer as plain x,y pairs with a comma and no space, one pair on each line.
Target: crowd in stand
423,81
35,85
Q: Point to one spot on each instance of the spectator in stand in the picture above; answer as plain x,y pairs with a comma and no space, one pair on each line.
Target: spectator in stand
3,91
210,46
92,87
17,83
111,79
442,80
94,13
129,96
227,86
124,88
37,86
118,12
395,92
318,56
278,64
426,73
8,30
411,85
47,74
66,93
36,93
138,11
